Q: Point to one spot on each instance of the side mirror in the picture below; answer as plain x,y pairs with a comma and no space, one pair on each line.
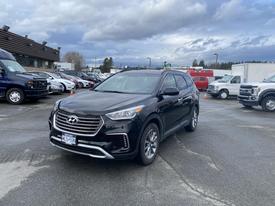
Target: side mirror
170,91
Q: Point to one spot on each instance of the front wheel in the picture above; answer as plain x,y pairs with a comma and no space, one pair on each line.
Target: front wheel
149,144
268,104
15,96
194,121
223,94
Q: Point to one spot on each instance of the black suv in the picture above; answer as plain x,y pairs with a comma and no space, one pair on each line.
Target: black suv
126,116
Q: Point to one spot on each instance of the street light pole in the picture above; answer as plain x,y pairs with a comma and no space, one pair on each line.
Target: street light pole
217,56
150,61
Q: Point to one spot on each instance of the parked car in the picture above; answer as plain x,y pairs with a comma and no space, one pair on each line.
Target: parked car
126,116
79,74
66,84
54,87
17,86
259,94
80,83
229,85
201,82
95,77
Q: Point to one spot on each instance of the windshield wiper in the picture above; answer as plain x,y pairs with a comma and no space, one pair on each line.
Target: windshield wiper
109,91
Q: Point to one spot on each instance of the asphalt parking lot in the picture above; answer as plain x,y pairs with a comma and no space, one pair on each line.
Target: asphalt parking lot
228,160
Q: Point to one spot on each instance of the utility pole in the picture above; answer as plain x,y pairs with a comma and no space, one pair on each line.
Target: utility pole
150,61
217,56
95,62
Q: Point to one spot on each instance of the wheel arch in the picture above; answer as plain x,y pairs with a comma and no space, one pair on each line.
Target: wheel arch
269,92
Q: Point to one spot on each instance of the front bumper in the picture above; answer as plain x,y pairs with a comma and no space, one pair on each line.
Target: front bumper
212,91
36,93
70,86
114,140
248,100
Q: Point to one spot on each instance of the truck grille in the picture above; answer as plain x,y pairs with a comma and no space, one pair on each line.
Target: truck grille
83,125
211,87
246,90
40,84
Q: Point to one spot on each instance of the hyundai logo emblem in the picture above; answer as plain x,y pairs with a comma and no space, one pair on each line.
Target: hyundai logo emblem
72,119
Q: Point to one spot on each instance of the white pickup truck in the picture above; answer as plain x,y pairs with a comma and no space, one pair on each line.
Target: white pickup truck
259,94
229,85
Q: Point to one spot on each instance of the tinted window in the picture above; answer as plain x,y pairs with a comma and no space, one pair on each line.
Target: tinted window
188,80
180,82
169,82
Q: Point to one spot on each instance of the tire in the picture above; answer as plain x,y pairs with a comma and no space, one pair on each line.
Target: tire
64,88
268,104
149,145
223,94
191,127
15,96
81,85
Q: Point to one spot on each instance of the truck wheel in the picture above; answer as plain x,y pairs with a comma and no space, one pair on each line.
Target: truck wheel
149,144
223,94
268,104
15,96
194,121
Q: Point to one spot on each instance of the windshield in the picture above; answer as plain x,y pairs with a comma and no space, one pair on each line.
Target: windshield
225,79
270,79
136,83
13,66
55,76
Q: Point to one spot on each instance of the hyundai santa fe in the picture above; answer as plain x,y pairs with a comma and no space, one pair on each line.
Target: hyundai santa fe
126,116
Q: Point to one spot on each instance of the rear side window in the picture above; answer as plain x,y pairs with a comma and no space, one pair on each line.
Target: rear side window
188,80
169,82
180,82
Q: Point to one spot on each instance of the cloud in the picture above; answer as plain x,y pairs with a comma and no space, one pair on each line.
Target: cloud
172,30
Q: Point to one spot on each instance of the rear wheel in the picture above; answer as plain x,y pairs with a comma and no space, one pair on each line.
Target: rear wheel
268,104
149,144
15,96
194,121
63,88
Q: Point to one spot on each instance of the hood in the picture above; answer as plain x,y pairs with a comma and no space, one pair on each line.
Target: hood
216,83
258,84
91,102
28,76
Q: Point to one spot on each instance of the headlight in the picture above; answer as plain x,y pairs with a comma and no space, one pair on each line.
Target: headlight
216,87
30,84
125,113
256,90
56,105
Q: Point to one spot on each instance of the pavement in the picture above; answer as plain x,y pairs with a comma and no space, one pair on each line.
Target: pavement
228,160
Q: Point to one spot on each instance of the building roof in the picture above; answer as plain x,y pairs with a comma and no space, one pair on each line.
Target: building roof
15,43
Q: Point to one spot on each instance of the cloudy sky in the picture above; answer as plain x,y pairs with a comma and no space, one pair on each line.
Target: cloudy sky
173,30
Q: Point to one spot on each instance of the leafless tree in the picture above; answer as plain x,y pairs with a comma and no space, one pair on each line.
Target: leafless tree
76,58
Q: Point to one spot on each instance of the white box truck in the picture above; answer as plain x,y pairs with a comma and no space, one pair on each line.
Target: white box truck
64,66
229,85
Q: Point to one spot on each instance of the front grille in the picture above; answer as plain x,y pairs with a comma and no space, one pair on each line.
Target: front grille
245,92
40,84
211,87
85,126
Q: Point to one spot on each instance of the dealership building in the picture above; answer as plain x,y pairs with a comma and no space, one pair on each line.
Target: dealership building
28,52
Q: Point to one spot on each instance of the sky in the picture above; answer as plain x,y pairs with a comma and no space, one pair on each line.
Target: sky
176,31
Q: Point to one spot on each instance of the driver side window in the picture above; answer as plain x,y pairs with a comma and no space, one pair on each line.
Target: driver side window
236,80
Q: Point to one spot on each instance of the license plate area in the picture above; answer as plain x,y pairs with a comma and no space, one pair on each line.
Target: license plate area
68,139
